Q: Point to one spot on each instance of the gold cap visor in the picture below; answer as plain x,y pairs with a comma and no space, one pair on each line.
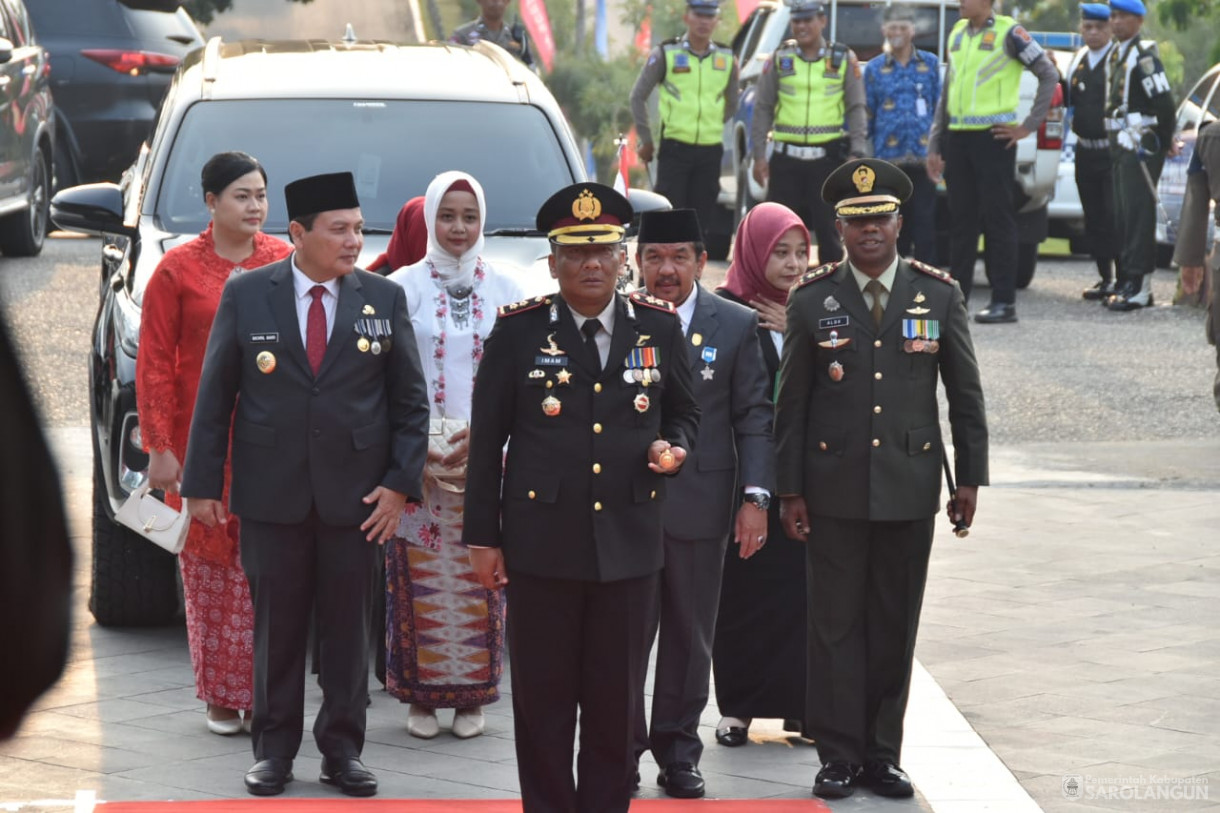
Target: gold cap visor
867,206
586,233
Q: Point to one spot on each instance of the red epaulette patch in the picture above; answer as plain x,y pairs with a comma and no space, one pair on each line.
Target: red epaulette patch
931,271
524,305
650,301
821,272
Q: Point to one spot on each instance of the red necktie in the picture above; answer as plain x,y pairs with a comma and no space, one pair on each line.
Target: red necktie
315,329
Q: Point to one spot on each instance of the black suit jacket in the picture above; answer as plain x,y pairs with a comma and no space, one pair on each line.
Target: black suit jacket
301,441
575,498
869,445
735,447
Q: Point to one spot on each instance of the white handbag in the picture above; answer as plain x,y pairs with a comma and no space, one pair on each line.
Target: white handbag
154,520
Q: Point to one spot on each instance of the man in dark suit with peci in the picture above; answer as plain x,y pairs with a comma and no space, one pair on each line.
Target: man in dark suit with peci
312,367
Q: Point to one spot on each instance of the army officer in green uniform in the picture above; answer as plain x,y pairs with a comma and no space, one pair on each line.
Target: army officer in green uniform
1140,119
860,452
591,390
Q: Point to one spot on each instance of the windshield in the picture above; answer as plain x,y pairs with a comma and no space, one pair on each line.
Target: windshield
394,148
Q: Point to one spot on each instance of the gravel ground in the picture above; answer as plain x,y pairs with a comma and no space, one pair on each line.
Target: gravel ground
1068,371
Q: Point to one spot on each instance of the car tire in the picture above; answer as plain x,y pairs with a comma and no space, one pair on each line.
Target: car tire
22,233
134,583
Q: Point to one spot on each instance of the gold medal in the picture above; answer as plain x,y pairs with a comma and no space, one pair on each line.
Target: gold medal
641,403
265,361
563,377
362,344
696,339
551,406
835,371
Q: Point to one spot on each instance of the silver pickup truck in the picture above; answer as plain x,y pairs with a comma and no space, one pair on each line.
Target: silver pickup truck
858,24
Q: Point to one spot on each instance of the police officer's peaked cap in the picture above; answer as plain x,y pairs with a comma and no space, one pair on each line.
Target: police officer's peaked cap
866,187
704,6
805,9
1094,11
669,226
321,193
584,213
1129,6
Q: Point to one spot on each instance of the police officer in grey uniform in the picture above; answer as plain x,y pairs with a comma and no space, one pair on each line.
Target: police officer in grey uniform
491,27
810,100
1088,92
1140,119
859,450
697,81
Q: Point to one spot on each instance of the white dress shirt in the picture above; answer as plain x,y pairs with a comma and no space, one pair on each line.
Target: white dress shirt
330,300
602,337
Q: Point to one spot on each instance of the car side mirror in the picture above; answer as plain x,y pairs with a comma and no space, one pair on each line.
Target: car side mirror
644,200
95,208
6,50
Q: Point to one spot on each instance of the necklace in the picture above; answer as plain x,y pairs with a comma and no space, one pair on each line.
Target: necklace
464,304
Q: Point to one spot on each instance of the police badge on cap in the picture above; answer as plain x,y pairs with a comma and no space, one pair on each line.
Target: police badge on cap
584,213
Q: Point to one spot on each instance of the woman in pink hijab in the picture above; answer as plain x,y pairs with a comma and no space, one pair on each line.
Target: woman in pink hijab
758,655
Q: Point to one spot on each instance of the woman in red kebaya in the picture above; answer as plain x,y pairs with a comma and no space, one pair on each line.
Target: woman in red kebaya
179,304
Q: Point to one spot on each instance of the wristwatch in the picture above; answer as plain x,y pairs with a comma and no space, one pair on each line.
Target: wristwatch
759,499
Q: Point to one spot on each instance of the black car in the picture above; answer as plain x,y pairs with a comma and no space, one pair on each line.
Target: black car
112,61
27,134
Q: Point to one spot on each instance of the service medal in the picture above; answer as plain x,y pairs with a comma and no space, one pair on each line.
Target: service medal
564,377
666,460
641,403
375,347
551,406
265,361
696,339
362,344
831,304
835,371
368,310
917,345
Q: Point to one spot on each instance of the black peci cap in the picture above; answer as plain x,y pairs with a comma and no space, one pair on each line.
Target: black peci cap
321,193
669,226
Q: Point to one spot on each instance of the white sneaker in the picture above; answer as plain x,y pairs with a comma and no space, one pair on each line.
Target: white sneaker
225,728
421,722
468,723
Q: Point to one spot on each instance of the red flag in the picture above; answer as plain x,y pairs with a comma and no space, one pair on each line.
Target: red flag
643,37
744,7
538,24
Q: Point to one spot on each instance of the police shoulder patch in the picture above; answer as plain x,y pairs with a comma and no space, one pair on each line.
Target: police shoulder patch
821,272
931,271
1147,64
523,306
649,301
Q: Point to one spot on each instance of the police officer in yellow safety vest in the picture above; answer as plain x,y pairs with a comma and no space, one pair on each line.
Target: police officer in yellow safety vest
1140,118
973,144
698,94
810,98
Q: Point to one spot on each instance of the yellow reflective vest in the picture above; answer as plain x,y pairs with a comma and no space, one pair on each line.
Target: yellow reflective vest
692,96
985,85
810,109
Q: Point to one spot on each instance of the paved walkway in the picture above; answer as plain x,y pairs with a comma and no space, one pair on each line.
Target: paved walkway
1071,642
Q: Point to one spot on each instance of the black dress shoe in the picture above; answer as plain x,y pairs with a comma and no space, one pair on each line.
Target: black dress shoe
887,779
1100,292
836,780
681,780
733,736
349,775
997,312
268,776
1131,296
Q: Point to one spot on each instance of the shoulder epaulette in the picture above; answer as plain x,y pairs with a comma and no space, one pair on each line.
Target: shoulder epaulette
523,306
821,272
649,301
787,45
671,41
931,271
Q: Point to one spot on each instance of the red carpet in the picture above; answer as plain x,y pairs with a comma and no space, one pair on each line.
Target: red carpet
342,805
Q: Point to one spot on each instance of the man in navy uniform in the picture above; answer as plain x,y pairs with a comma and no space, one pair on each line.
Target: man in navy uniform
723,490
311,368
1088,91
698,94
1141,121
591,390
859,451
